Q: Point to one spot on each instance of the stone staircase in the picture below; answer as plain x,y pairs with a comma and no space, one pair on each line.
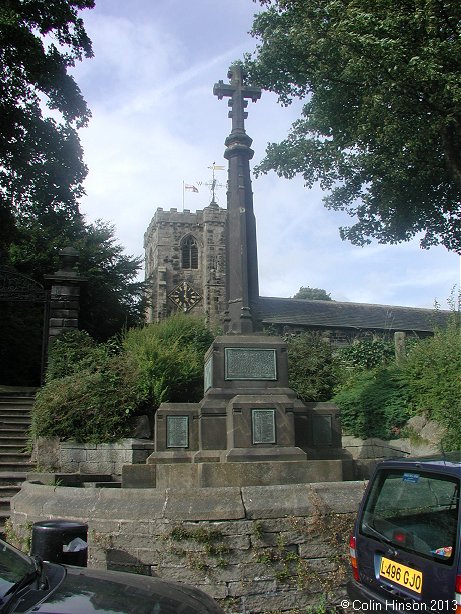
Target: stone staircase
15,462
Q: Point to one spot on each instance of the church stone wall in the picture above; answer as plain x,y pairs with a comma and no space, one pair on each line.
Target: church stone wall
164,270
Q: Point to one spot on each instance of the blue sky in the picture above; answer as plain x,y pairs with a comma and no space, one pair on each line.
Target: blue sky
156,124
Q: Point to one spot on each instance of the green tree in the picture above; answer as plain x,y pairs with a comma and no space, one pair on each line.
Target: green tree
112,297
380,128
314,294
41,106
41,175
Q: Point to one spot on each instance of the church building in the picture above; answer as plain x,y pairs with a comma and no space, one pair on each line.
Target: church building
185,263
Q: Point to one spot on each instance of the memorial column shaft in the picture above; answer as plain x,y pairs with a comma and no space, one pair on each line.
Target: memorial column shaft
242,257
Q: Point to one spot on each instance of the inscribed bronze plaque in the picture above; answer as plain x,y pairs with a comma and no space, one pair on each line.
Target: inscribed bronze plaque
322,430
250,363
208,374
263,423
177,431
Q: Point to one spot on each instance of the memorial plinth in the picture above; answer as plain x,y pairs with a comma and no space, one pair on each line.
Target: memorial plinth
250,428
248,407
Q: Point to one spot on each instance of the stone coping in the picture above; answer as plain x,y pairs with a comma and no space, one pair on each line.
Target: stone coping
123,444
37,501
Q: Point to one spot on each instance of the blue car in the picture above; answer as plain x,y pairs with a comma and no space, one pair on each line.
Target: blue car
28,584
405,549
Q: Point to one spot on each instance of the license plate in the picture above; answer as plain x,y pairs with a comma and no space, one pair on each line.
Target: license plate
401,574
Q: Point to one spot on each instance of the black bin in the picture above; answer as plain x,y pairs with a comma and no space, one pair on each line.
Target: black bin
51,539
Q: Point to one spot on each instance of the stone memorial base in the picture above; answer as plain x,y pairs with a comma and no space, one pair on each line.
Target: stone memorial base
249,429
212,475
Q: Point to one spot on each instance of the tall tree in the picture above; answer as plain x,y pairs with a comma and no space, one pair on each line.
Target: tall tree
41,106
113,298
41,180
381,123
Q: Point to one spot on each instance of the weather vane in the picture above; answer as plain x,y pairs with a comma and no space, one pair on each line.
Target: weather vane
213,184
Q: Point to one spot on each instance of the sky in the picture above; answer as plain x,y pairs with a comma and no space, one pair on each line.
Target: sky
156,124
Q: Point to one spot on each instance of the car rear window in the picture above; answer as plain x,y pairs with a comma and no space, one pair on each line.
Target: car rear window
415,511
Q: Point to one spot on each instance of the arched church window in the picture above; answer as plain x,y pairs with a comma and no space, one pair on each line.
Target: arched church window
189,253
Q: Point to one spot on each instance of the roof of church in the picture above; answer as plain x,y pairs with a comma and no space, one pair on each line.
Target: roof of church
335,314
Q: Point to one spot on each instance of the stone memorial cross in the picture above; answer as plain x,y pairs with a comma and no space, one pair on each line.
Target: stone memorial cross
242,258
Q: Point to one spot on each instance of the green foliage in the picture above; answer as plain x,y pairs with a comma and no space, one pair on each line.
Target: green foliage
40,153
380,127
313,294
42,174
72,351
373,403
321,607
432,373
210,543
92,405
312,368
111,300
111,297
376,396
19,537
93,391
201,535
367,353
170,357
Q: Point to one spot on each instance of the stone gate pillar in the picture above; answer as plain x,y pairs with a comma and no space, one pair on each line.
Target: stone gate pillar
64,297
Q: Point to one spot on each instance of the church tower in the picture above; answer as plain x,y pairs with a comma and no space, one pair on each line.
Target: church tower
185,263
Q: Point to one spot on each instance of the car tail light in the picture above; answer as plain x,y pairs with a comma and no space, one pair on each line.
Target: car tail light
353,558
458,594
400,537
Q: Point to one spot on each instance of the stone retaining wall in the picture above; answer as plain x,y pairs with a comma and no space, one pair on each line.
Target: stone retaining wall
255,549
423,438
72,457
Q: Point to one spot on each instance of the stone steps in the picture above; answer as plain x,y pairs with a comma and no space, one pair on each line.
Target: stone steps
14,448
15,462
9,490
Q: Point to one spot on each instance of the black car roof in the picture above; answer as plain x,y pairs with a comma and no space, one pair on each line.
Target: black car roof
449,463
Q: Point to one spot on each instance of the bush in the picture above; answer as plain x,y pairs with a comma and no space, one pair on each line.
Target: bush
93,405
376,402
432,373
367,353
170,358
73,351
92,393
373,403
312,368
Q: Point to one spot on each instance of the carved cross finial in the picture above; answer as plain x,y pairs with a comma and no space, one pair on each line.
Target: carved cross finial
237,92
